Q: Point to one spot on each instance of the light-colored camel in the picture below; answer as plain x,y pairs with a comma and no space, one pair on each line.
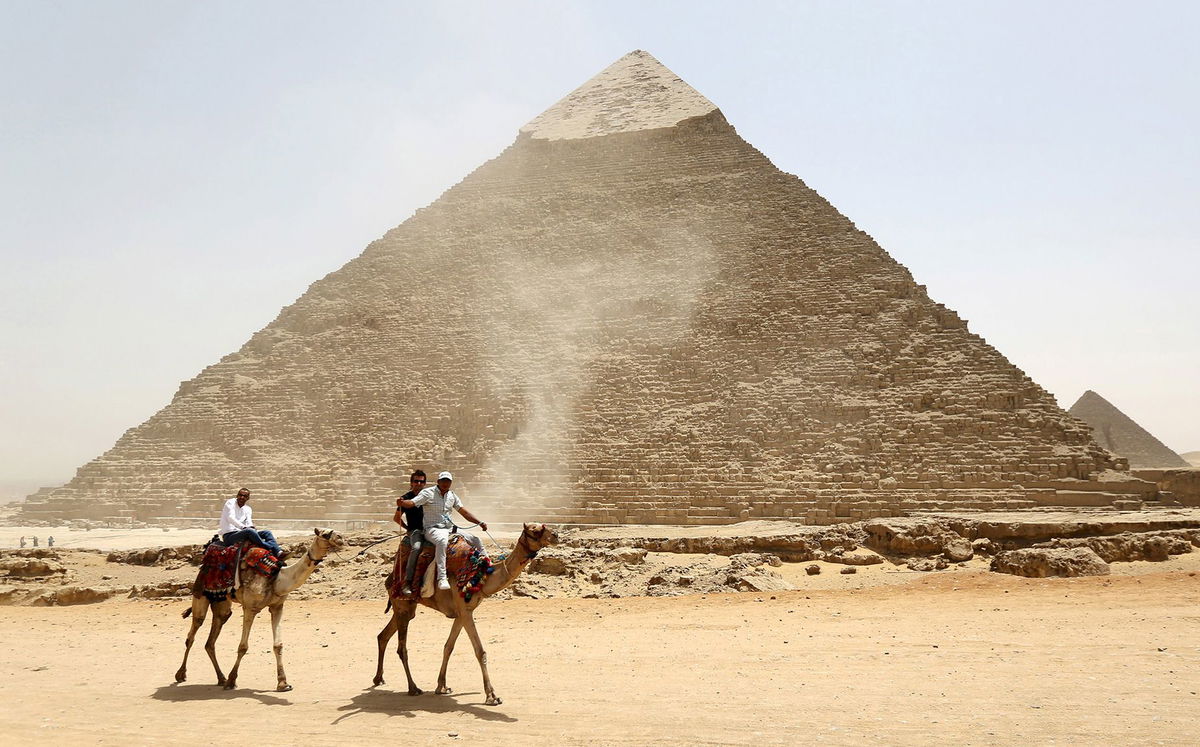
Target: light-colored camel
451,604
256,593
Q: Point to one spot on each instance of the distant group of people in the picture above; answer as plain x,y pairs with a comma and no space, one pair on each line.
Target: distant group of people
421,525
49,541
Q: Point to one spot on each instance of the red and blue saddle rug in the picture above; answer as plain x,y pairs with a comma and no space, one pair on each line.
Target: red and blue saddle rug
218,569
466,565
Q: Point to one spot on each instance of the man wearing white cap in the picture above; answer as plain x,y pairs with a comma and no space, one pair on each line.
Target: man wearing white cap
438,501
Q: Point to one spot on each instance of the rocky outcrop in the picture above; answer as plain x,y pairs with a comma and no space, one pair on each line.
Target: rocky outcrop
70,595
854,557
1045,562
920,537
169,589
30,567
158,555
625,572
1129,547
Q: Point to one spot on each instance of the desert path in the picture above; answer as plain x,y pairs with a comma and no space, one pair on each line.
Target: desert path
970,658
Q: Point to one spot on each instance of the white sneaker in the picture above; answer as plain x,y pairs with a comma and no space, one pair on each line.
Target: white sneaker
443,583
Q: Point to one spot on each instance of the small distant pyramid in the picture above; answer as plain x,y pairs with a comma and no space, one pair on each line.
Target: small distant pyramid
1192,458
1116,431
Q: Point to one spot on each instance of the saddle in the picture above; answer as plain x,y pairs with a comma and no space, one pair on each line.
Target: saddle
464,567
217,571
220,565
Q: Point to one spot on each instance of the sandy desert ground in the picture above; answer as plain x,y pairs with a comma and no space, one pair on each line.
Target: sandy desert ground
967,657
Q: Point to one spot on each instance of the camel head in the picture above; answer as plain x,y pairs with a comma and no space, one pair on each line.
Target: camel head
538,536
327,540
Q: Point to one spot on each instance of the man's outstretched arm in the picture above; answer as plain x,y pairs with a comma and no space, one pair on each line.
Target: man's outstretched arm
471,517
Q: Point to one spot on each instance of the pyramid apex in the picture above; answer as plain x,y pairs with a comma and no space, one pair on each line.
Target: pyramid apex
637,92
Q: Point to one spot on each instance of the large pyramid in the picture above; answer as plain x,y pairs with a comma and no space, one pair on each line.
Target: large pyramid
1116,431
629,315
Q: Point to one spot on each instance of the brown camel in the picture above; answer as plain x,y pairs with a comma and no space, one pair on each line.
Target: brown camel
451,604
255,594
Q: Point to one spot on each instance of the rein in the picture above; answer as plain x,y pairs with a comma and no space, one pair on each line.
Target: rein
376,542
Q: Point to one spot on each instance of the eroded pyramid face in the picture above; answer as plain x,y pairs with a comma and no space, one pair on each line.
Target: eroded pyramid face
630,315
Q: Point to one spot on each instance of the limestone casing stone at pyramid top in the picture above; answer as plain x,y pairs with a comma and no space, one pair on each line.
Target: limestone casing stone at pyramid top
637,92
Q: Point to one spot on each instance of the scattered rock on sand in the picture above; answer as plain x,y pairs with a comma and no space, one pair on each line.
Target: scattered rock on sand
549,564
768,581
1037,562
926,564
813,570
860,556
983,546
848,570
959,550
158,591
74,595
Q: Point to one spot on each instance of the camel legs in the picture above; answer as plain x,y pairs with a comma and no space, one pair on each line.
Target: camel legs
403,616
382,639
199,611
403,611
277,635
247,622
469,623
221,612
455,629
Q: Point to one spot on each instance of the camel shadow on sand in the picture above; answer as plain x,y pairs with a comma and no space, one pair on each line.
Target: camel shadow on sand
180,693
393,703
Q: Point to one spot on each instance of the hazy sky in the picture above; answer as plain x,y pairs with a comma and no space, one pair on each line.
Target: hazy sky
174,173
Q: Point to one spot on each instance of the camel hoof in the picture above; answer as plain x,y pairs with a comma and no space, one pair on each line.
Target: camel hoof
378,681
493,700
416,691
443,690
180,676
284,688
230,684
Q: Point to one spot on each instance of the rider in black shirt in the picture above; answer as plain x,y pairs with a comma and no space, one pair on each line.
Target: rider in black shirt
413,520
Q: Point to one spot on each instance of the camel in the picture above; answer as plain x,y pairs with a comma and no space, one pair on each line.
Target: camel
451,604
255,594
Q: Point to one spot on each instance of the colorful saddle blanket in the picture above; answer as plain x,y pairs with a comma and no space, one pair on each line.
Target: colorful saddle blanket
470,567
217,571
261,561
465,565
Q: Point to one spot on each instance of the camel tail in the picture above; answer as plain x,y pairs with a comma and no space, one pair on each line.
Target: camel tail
388,608
187,613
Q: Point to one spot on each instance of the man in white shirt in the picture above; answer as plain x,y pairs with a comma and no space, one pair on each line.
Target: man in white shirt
237,525
438,501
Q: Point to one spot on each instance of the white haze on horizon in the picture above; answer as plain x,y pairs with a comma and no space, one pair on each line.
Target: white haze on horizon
176,173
